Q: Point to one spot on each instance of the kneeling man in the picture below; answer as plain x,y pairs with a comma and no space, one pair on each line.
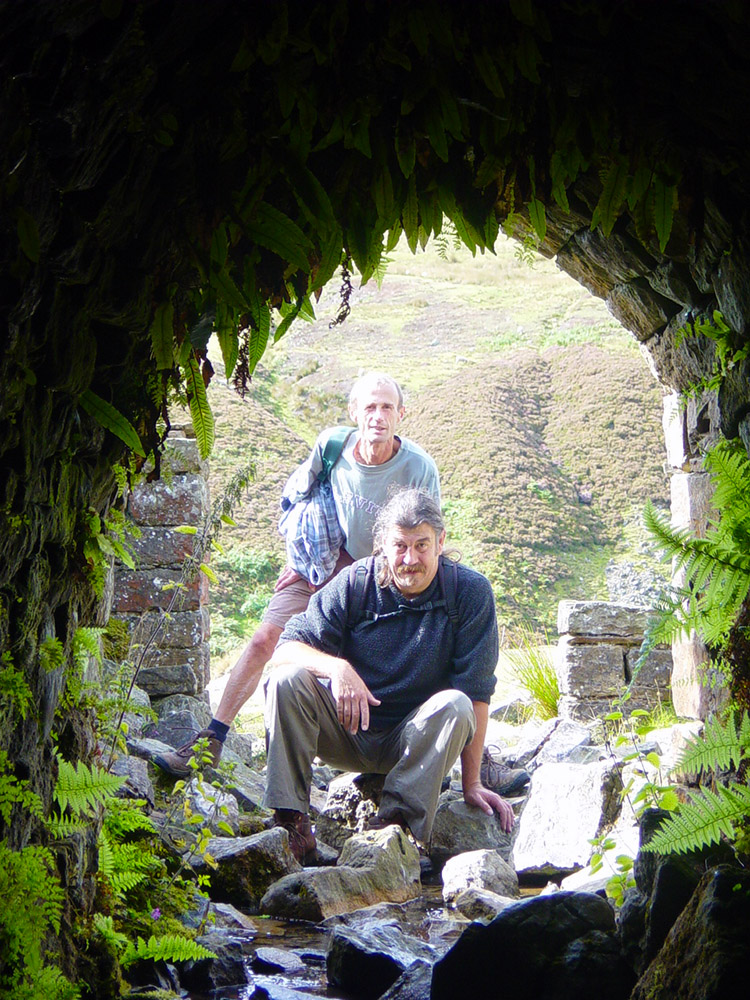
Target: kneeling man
392,676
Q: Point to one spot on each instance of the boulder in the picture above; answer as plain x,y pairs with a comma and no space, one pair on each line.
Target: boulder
478,870
381,865
481,904
213,805
556,947
567,806
229,968
137,782
247,866
351,798
413,984
366,964
569,742
459,828
704,956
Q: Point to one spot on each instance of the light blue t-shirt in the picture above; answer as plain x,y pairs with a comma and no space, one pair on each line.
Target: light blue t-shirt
360,491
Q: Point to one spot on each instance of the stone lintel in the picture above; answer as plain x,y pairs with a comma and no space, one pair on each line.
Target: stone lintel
602,619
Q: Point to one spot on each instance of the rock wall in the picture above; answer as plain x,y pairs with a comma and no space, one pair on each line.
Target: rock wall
157,592
596,657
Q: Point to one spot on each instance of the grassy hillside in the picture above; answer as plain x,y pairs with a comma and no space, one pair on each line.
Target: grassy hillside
539,409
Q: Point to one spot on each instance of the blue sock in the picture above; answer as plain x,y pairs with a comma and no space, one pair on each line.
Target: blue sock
219,729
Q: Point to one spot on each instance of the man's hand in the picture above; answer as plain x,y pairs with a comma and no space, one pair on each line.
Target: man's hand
287,576
487,801
353,697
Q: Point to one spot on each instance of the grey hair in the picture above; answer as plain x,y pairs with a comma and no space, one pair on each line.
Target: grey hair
408,508
376,378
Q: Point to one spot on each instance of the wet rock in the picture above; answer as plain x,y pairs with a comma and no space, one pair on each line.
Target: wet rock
269,959
350,800
247,866
481,904
374,867
366,964
556,947
478,870
229,968
705,954
414,983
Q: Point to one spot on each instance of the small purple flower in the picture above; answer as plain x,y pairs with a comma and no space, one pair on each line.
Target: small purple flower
155,913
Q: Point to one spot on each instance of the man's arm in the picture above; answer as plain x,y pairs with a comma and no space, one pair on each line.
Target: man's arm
475,794
353,697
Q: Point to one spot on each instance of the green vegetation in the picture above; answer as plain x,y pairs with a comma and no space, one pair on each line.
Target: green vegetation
533,668
245,585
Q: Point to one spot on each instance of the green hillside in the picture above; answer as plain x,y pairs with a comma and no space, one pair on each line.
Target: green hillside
539,409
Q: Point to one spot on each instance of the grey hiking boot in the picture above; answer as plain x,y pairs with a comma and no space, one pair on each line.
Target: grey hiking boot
498,777
176,762
302,841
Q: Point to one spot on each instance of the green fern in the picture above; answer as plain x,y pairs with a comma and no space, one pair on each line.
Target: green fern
703,820
81,789
716,567
709,814
169,948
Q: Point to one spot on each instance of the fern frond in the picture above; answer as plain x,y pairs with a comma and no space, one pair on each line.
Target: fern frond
702,821
81,789
123,882
720,746
63,827
169,948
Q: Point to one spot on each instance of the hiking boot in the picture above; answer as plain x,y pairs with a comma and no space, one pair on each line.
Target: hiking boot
302,841
498,777
379,822
176,762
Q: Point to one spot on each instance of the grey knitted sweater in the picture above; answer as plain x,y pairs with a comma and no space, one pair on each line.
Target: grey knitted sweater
410,650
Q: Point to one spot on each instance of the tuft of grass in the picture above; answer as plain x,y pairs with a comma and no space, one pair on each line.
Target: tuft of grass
534,670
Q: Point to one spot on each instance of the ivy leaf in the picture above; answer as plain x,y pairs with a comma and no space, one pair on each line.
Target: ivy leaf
112,420
665,196
162,335
200,411
28,235
538,218
209,573
612,196
275,231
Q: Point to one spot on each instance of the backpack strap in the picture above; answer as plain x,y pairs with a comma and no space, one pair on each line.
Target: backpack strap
360,574
448,580
332,448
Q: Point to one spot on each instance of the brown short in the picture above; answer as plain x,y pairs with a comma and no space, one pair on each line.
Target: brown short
292,600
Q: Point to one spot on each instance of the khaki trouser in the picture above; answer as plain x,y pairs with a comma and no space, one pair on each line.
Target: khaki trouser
415,754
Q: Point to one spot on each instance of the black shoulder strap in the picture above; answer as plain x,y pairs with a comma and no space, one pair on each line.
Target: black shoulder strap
359,576
448,579
334,445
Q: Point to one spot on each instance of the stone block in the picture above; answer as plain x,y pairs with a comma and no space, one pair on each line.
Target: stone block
639,308
696,691
675,432
161,548
181,455
180,629
597,619
654,676
144,590
590,671
175,672
184,500
690,501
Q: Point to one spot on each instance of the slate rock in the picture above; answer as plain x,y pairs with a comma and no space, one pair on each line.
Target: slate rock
367,964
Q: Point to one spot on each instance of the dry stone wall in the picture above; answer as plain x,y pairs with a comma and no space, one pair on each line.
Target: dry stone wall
596,655
178,662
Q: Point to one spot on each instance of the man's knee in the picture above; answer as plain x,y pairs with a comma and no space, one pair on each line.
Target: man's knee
289,681
264,641
450,702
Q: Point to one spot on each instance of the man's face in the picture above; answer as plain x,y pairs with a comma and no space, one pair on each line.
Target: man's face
412,555
376,412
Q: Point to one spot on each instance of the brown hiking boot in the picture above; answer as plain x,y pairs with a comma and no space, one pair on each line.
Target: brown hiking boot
379,822
301,837
176,762
498,777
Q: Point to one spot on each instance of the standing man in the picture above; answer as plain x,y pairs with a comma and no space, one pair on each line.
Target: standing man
395,680
374,461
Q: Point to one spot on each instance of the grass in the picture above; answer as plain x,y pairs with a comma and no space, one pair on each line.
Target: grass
533,669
